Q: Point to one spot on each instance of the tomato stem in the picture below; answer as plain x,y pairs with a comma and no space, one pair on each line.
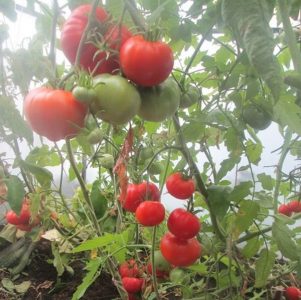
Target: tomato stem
154,275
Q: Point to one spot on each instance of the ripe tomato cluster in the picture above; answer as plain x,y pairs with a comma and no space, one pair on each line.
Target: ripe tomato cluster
179,246
290,208
292,293
23,220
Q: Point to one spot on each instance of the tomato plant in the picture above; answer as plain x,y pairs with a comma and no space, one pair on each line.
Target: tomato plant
150,213
183,223
55,114
159,102
129,268
180,252
147,63
180,187
117,101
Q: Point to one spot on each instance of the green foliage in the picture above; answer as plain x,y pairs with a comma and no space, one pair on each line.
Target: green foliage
16,193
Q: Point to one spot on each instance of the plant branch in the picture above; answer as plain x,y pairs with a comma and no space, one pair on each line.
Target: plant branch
135,15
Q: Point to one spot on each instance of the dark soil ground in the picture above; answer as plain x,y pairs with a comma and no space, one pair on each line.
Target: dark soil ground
44,283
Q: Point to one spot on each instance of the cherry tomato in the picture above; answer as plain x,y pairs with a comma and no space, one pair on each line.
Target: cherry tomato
180,252
294,206
55,114
285,210
150,213
129,268
183,223
137,193
117,101
110,35
12,218
159,102
292,293
146,63
180,187
132,285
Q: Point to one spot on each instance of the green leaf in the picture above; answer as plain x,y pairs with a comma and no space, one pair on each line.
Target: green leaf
8,284
43,156
266,181
249,23
57,260
218,196
251,247
227,165
253,151
15,194
246,214
283,237
240,191
287,112
94,268
99,201
10,118
264,265
43,176
23,287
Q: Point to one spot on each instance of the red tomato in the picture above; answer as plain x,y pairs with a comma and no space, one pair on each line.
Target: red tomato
129,268
92,59
24,227
132,285
146,63
150,213
180,187
183,223
12,218
55,114
24,216
285,210
137,193
294,206
180,252
292,293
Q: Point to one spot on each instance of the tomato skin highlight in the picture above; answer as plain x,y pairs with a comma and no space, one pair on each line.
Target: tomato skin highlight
179,187
132,285
183,223
137,193
55,114
146,63
180,252
150,213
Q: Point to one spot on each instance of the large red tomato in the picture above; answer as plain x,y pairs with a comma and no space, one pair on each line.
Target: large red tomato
146,63
55,114
180,252
183,223
109,36
150,213
179,186
137,193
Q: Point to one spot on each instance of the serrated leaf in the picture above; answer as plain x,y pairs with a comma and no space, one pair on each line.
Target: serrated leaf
264,265
252,247
93,267
43,176
266,181
218,196
283,237
15,194
253,151
227,165
249,23
241,191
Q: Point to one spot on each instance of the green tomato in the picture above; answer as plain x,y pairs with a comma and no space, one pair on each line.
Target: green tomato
190,96
84,95
106,161
145,154
95,136
98,200
256,116
117,101
156,168
159,102
161,263
178,276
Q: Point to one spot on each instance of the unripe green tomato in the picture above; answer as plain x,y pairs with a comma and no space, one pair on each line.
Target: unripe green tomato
161,263
84,95
145,154
106,161
256,117
156,168
178,276
190,96
95,136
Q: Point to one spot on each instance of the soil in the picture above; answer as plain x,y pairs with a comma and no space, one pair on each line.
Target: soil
46,286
